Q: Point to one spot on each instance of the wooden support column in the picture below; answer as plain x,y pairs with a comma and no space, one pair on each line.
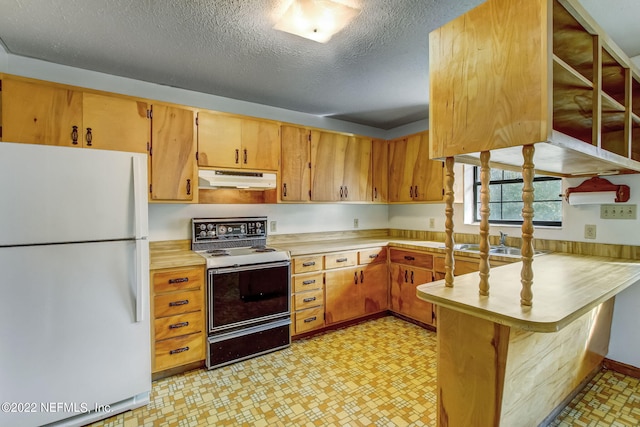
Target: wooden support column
526,275
484,268
448,224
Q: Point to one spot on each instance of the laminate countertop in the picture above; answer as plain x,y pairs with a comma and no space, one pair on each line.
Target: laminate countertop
565,286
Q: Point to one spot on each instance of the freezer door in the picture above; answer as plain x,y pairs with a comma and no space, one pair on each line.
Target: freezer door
63,194
69,331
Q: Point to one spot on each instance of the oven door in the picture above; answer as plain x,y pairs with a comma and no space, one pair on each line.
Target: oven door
247,295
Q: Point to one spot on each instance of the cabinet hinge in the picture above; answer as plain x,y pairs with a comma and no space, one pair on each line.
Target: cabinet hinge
148,147
443,191
196,120
309,194
197,156
151,150
309,165
309,136
150,189
150,113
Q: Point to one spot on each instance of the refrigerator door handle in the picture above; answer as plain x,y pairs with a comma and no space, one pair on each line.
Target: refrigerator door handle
140,282
139,199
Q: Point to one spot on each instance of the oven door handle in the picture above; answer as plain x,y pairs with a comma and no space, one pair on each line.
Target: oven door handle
249,267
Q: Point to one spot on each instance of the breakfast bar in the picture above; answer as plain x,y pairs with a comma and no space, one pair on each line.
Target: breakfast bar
503,363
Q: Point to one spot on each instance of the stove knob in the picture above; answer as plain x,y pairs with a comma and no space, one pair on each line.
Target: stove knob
222,229
242,228
203,234
210,233
203,227
210,226
258,224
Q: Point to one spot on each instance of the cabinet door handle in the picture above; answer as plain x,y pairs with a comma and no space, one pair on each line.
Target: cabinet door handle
74,135
346,192
237,156
309,282
412,277
188,187
308,263
179,303
310,319
245,156
415,192
411,191
409,258
179,350
406,276
361,276
309,299
373,256
342,260
178,280
375,192
178,325
355,278
284,190
341,192
89,137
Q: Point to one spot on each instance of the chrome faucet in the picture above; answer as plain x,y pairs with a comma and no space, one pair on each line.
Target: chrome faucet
503,239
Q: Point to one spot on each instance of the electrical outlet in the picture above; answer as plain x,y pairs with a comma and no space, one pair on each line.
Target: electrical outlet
273,226
356,223
590,231
432,223
618,211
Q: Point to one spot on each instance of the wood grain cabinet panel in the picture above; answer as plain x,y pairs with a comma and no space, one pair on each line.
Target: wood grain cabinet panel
412,176
296,164
404,280
178,311
226,141
174,173
307,300
46,113
380,170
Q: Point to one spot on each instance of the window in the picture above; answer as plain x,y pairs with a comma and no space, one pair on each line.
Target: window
505,192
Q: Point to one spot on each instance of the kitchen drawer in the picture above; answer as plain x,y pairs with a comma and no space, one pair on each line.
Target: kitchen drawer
307,264
175,326
341,259
418,259
307,320
369,256
177,303
175,280
307,281
178,351
309,299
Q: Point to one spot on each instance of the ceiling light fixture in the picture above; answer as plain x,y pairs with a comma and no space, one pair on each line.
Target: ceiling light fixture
316,20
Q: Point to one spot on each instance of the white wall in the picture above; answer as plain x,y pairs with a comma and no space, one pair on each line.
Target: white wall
172,221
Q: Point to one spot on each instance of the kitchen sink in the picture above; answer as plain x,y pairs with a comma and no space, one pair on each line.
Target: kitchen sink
495,250
505,250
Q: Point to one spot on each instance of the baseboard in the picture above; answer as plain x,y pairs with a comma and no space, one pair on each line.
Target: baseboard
623,368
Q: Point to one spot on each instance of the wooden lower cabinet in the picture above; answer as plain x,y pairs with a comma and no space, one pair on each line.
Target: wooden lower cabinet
408,269
307,299
178,311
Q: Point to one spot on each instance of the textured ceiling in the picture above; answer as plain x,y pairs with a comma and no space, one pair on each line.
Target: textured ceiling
373,73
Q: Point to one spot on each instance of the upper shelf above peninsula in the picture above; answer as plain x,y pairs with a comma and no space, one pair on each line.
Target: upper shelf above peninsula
543,72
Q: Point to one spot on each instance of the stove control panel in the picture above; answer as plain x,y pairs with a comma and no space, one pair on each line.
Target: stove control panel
218,229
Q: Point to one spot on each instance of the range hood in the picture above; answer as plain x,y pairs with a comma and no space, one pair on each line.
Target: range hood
211,179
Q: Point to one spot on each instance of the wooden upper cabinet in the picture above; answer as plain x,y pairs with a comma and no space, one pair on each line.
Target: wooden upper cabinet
114,123
235,142
295,167
49,114
538,72
380,165
340,167
174,175
37,113
412,176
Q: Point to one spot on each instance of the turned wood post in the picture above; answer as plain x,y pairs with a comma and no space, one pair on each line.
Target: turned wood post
526,275
485,172
448,223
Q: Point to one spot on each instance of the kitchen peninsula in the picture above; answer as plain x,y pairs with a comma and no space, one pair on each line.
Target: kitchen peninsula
501,363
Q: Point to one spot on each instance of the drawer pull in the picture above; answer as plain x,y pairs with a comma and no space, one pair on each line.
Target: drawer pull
309,299
373,256
361,276
310,319
342,259
178,325
179,303
178,280
409,258
309,282
308,263
179,350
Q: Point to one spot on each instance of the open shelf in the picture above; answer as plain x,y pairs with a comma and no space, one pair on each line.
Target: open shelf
572,101
635,95
613,77
635,138
571,42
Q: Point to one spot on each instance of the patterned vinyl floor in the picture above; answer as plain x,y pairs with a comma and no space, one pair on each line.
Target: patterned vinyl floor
376,373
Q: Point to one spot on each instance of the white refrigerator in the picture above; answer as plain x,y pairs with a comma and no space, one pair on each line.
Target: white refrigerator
74,284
